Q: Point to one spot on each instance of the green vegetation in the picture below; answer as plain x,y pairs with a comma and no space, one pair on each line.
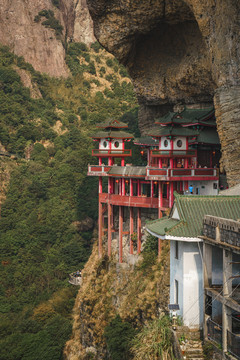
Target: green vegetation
51,21
48,196
119,335
153,341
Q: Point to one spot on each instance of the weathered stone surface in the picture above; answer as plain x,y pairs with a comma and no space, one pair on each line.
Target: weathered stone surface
178,51
39,44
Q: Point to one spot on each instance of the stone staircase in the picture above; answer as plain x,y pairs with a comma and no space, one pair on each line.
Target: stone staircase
190,343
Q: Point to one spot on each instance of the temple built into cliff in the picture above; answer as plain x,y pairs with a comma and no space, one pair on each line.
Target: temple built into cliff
181,153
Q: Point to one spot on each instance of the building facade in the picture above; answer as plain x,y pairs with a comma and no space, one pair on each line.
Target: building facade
181,155
221,258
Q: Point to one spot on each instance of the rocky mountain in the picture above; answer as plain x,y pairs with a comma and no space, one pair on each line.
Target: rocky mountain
179,51
43,45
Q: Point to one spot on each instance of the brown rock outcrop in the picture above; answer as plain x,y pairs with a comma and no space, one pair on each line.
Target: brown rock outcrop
38,44
179,51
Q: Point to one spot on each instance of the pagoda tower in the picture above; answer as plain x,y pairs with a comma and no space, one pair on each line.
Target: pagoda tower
111,139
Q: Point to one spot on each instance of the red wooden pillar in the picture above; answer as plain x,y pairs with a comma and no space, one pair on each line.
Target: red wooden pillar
122,161
120,232
109,228
171,194
131,230
100,161
123,187
168,190
160,163
100,185
181,186
139,232
160,200
100,224
152,185
131,187
185,163
185,185
138,188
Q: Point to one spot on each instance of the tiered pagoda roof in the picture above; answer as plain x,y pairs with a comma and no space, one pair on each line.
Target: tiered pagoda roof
112,130
189,117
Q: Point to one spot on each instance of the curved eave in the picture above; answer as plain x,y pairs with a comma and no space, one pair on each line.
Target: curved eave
175,238
112,137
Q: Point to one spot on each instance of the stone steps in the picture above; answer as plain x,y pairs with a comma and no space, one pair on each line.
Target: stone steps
191,345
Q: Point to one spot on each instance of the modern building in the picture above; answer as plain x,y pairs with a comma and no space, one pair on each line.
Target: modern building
181,152
183,228
221,258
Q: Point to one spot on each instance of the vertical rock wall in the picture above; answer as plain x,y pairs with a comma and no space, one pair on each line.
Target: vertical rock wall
179,51
38,44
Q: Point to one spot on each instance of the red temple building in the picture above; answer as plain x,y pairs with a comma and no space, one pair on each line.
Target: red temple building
181,152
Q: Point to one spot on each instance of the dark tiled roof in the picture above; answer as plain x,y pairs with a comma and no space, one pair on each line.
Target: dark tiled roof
189,116
112,134
112,123
173,131
207,136
128,171
191,209
147,141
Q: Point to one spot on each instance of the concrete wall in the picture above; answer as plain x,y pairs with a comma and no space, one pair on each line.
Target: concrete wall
204,187
187,270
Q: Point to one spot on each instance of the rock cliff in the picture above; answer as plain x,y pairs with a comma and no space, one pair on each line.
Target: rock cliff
179,51
37,43
138,294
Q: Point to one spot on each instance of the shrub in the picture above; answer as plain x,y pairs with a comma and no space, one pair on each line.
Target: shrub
102,70
109,62
123,72
96,46
143,345
56,3
91,68
119,335
98,60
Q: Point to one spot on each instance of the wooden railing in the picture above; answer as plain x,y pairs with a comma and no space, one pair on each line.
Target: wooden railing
173,153
135,201
112,152
98,170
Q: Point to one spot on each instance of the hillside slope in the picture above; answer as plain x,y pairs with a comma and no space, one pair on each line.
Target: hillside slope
49,207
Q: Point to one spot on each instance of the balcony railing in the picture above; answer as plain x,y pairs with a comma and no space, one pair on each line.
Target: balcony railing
98,170
173,153
233,344
135,201
214,331
155,173
112,152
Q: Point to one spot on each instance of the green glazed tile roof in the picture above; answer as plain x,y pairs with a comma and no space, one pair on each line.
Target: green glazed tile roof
161,226
207,136
112,134
188,116
172,131
146,140
112,123
191,209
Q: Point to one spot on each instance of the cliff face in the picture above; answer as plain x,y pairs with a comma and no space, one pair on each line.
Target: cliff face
138,294
38,44
179,51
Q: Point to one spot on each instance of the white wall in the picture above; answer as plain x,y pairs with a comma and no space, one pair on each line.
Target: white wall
112,141
193,285
204,187
187,270
162,147
184,143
